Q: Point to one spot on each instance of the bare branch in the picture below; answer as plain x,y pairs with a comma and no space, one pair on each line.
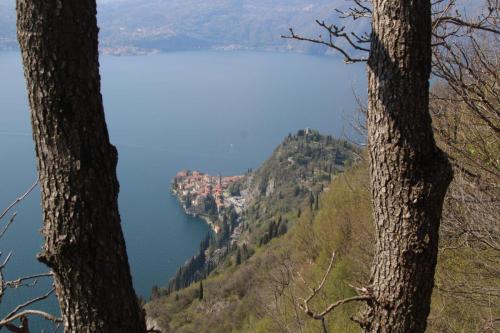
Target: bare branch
2,266
339,32
26,304
448,23
24,313
361,9
347,58
468,24
343,301
358,11
321,315
16,313
354,13
19,282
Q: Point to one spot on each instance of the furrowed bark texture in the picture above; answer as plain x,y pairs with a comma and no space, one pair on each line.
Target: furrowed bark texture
409,174
84,244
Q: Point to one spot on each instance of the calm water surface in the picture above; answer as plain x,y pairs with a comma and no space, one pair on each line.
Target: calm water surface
215,112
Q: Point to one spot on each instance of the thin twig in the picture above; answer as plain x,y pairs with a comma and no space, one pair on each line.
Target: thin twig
28,303
347,58
2,266
17,282
321,315
11,220
18,200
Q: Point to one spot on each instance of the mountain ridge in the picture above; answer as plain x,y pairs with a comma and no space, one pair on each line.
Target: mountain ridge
142,27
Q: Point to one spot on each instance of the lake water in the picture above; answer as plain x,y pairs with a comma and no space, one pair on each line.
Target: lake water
211,111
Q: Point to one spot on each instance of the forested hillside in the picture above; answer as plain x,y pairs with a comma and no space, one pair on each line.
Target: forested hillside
289,181
264,293
288,192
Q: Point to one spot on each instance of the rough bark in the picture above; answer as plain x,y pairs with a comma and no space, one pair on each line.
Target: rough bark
409,174
84,244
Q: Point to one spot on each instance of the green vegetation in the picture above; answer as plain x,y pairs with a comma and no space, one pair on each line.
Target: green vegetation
288,233
273,192
466,296
255,295
261,293
291,180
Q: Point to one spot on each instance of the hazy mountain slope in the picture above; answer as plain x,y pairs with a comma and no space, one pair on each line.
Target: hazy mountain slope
172,25
240,23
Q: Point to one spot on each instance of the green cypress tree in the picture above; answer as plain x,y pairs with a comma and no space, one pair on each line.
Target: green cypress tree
238,257
200,292
311,200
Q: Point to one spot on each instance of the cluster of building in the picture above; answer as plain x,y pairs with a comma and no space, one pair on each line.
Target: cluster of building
196,187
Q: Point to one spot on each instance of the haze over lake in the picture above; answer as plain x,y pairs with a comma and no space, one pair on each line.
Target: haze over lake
211,111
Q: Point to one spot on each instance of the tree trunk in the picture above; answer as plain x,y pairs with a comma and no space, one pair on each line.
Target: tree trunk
84,244
409,174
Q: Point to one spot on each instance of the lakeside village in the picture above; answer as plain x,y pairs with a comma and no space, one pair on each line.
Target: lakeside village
209,197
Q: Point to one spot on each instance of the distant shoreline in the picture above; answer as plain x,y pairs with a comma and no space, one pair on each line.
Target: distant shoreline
131,51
